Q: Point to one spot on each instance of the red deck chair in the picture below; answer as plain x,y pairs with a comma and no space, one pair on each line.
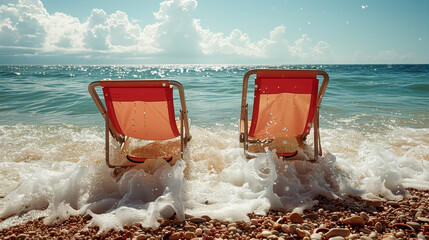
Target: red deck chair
286,106
141,109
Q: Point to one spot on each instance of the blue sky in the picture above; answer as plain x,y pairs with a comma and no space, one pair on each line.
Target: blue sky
208,31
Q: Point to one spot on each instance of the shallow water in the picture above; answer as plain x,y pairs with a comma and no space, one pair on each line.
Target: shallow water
374,131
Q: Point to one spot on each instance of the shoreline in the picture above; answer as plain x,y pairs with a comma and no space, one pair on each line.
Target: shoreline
348,218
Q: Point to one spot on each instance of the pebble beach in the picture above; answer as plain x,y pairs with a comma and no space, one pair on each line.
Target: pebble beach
335,219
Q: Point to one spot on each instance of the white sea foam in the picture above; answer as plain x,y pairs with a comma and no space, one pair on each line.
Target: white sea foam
58,171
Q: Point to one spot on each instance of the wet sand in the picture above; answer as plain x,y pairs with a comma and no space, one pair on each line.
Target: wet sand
348,218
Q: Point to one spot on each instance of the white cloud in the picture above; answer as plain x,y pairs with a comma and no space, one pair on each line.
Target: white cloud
383,57
176,33
320,48
276,46
301,47
22,24
122,32
63,31
389,56
28,24
237,43
26,27
305,50
97,32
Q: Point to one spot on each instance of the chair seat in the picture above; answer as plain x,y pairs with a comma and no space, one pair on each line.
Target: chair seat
285,108
154,149
143,110
286,145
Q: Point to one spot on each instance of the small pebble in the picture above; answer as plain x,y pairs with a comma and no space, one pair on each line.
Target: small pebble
189,235
420,236
364,215
321,230
316,236
400,234
285,228
190,228
254,222
337,238
331,208
312,216
375,203
354,221
373,235
353,236
389,237
266,233
393,204
296,218
292,228
277,226
198,232
365,230
307,226
176,236
402,217
302,233
423,209
21,236
343,232
340,214
379,227
282,220
414,225
140,237
370,209
275,232
403,226
418,214
198,220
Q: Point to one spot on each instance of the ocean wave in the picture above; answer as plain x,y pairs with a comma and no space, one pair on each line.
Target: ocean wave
57,171
419,87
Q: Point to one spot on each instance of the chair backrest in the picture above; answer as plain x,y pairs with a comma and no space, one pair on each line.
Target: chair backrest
284,103
141,109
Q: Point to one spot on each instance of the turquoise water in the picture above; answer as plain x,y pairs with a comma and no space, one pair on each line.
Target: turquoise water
363,94
374,133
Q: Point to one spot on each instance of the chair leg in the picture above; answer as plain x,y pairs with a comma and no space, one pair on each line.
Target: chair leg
108,147
182,144
316,135
320,142
246,133
107,141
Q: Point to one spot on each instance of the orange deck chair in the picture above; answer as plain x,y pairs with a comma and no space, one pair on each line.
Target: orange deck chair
286,106
141,109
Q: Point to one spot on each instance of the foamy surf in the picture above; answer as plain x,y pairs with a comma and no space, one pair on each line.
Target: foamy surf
59,171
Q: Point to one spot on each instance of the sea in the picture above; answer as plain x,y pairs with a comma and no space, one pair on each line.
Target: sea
374,127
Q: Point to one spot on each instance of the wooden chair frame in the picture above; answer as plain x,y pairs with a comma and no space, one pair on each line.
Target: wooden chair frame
185,136
244,135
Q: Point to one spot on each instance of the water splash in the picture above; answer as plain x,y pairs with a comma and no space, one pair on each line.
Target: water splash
215,178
